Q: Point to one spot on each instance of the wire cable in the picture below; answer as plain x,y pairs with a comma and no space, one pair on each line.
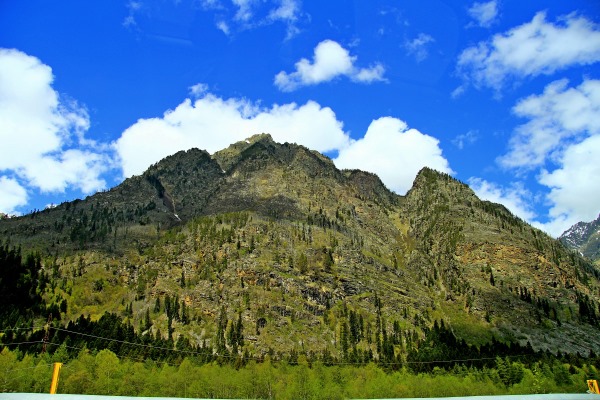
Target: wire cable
255,358
117,355
126,342
20,343
29,328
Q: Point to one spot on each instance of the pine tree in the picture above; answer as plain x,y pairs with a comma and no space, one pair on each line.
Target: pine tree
157,305
240,330
221,326
184,313
147,321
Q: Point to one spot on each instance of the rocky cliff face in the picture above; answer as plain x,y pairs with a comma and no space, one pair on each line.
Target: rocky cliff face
276,236
584,237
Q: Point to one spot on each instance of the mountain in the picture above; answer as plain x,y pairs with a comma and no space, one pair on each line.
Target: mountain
584,237
272,243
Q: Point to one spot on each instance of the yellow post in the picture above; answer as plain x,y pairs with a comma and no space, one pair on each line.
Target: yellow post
55,374
593,386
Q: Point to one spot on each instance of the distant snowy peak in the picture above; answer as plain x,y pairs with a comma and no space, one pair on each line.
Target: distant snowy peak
584,237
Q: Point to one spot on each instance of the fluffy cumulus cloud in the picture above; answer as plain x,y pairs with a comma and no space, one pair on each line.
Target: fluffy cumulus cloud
575,192
394,152
43,143
12,195
212,123
389,148
417,47
534,48
557,116
484,14
560,142
330,60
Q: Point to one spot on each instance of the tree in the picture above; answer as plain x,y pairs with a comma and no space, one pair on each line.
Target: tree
510,373
221,326
147,320
185,319
157,305
108,372
302,263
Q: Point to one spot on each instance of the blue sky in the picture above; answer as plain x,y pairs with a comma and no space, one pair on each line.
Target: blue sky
504,95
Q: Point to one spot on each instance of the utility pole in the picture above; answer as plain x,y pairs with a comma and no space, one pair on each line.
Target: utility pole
47,335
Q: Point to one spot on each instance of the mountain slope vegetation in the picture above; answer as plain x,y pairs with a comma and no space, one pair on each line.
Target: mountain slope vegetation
269,249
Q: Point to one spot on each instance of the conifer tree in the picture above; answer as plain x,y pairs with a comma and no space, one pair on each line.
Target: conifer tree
147,321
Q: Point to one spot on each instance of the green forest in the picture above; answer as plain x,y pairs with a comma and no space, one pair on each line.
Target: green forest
111,356
102,372
107,357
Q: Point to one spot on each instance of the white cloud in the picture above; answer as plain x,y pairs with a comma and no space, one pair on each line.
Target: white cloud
484,13
223,27
38,130
534,48
559,114
211,4
515,197
12,195
372,74
464,139
244,11
230,16
212,123
198,89
561,142
330,60
133,7
418,46
459,91
287,11
70,168
388,148
250,14
394,152
575,191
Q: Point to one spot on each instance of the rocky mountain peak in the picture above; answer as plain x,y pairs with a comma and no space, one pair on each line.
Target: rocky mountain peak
291,244
232,154
584,237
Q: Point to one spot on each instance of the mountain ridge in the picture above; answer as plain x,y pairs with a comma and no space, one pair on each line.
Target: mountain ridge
584,237
289,245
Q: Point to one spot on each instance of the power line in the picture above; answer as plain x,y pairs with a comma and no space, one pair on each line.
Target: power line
32,328
9,372
116,355
260,359
126,342
23,369
20,343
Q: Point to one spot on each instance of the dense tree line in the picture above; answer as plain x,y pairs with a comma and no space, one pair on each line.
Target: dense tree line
103,373
21,283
